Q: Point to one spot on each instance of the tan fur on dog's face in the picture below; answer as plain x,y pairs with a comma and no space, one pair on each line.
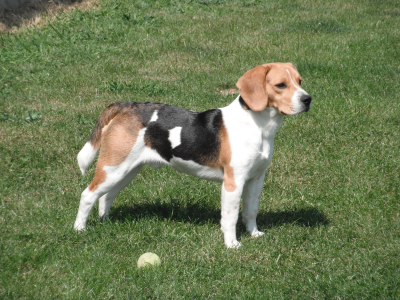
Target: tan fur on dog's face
276,85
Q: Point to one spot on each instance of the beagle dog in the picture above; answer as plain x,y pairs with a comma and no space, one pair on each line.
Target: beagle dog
232,145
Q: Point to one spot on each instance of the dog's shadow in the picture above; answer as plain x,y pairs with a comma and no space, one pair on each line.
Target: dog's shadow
194,213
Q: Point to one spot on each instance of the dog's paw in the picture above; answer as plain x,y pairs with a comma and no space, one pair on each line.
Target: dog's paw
233,245
79,226
103,218
257,234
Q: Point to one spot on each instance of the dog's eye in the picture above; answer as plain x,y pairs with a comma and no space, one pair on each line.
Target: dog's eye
300,82
281,86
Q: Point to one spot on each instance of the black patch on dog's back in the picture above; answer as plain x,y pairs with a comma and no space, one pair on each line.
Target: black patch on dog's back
200,139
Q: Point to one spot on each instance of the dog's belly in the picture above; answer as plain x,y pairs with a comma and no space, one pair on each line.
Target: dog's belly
195,169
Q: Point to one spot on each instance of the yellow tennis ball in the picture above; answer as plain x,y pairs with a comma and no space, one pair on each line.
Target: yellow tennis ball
148,259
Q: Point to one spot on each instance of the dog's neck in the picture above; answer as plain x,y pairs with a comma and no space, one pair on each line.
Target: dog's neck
268,120
243,103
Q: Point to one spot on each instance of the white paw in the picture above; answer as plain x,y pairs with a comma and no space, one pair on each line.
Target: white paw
233,245
257,234
79,226
103,218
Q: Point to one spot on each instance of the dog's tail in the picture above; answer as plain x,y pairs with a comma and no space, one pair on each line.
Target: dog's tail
89,151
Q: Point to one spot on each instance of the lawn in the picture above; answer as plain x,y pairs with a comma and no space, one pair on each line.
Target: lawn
331,200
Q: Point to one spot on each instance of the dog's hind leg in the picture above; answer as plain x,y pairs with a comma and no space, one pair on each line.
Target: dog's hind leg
121,147
105,184
88,199
106,200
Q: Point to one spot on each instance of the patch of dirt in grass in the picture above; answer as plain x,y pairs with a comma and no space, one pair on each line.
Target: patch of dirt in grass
37,13
229,91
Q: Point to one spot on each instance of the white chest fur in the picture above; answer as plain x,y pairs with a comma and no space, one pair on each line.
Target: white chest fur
251,135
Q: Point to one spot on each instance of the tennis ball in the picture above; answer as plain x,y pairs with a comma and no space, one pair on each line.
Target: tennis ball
148,259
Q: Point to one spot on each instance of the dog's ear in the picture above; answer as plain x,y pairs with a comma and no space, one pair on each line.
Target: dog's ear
253,89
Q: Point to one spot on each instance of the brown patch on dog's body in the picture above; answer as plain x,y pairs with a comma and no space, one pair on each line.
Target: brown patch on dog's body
117,141
99,177
147,142
210,161
102,124
104,129
225,156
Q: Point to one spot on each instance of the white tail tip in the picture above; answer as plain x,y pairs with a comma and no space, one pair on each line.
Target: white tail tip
86,157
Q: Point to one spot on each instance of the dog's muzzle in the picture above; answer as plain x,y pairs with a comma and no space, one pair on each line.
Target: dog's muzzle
306,100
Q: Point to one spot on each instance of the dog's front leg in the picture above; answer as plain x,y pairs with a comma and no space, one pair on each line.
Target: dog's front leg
230,203
251,199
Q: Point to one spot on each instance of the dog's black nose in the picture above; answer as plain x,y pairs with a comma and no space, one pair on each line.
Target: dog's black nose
306,99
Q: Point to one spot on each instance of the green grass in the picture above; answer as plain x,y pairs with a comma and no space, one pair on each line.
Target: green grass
330,205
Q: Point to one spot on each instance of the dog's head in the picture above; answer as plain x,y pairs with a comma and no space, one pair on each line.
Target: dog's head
276,85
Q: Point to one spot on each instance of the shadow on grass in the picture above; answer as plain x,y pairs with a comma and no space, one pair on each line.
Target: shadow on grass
307,217
193,213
